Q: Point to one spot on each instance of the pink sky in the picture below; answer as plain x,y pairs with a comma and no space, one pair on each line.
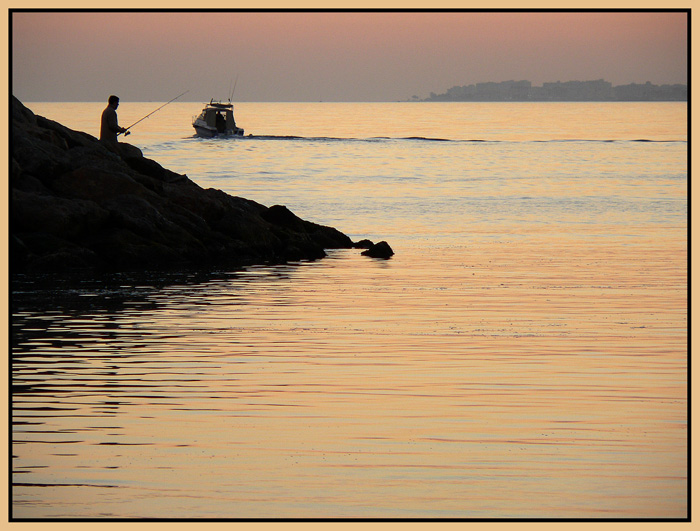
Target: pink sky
332,56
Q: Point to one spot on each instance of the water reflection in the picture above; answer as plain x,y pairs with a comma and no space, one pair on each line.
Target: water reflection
360,388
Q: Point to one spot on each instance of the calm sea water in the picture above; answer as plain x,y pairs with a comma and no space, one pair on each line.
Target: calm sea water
523,354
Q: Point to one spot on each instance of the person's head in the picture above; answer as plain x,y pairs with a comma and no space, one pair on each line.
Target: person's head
113,101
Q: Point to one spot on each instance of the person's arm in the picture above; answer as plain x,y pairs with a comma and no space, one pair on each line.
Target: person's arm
113,124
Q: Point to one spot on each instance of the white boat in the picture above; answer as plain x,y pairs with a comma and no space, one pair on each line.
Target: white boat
216,119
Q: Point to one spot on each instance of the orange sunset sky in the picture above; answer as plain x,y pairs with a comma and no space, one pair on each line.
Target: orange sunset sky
332,56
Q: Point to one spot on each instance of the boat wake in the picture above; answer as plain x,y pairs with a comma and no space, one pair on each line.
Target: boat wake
420,139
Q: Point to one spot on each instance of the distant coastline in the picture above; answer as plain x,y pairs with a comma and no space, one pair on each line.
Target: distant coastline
598,90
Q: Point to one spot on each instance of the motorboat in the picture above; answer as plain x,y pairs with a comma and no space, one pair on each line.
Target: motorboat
216,119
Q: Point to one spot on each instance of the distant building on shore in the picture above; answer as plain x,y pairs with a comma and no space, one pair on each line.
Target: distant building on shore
599,90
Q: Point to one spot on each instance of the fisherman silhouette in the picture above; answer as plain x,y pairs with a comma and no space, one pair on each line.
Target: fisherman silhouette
109,126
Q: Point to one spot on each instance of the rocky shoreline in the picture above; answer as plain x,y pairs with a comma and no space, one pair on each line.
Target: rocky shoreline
76,206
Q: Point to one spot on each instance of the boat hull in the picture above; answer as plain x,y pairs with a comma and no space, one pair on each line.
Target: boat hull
206,131
216,119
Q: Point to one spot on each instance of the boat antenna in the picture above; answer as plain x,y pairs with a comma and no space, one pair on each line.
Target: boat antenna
234,89
126,132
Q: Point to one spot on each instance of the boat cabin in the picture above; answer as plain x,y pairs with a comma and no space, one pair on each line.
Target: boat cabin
219,116
216,119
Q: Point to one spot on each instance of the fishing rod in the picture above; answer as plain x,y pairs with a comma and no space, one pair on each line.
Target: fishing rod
234,89
126,132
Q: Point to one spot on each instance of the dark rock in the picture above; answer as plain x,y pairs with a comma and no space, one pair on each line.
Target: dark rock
59,216
96,184
128,152
151,168
282,216
77,205
63,135
363,244
379,250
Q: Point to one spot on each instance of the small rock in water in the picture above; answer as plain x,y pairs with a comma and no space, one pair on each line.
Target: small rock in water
363,244
379,250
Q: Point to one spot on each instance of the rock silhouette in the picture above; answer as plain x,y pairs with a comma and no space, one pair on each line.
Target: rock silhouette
379,250
76,206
